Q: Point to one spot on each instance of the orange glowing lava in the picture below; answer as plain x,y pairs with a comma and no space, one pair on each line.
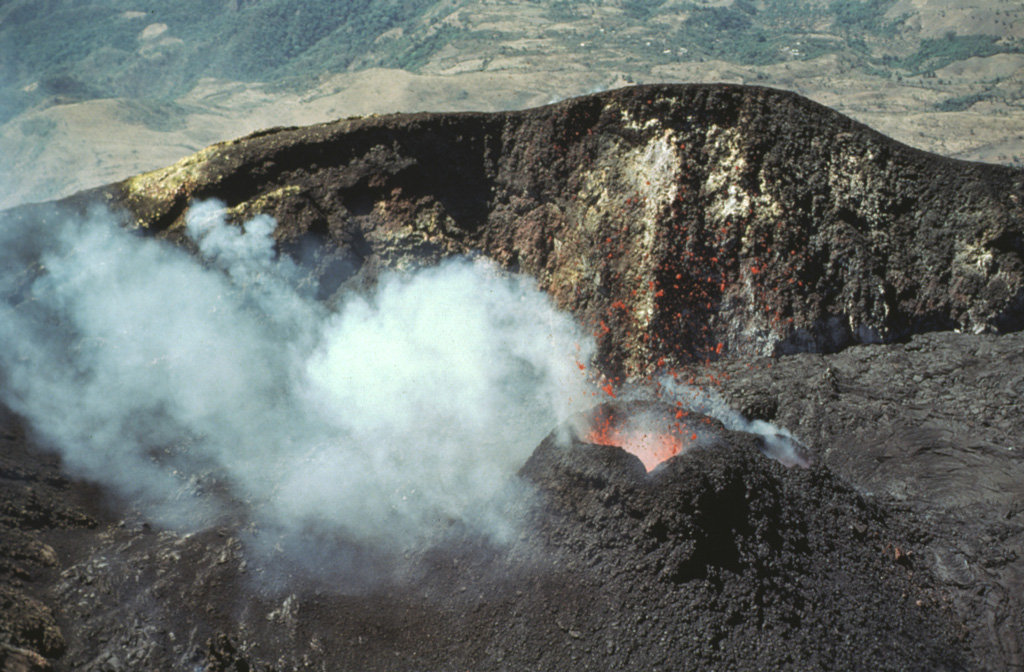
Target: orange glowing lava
652,438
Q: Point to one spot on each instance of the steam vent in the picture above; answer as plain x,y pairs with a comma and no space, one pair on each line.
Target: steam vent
667,377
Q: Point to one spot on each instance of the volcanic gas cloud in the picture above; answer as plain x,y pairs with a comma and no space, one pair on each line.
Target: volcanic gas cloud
170,377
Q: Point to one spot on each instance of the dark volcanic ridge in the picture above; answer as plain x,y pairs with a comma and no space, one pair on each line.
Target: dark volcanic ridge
676,221
715,242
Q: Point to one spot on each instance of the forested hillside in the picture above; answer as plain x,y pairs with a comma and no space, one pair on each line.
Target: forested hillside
158,49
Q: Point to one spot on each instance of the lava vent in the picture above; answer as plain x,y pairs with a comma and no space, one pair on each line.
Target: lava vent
652,431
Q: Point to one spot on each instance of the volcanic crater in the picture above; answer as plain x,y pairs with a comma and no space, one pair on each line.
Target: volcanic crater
809,282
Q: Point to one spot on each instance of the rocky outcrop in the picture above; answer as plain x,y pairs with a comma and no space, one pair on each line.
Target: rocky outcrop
932,426
680,222
33,505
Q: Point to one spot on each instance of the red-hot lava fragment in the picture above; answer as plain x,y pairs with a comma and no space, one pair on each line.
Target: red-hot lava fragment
650,435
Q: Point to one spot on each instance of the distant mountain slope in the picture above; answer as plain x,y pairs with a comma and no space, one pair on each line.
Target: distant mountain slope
98,91
159,50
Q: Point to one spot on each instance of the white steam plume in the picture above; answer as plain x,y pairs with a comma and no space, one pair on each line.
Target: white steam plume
159,375
779,442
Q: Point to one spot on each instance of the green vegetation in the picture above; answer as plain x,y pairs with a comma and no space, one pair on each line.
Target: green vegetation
718,31
163,116
961,103
741,33
73,50
937,53
292,37
862,16
412,53
790,17
872,71
261,40
563,10
735,33
641,10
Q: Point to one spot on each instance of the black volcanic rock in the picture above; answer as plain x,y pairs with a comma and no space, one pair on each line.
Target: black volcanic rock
720,558
34,504
787,567
933,425
711,219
